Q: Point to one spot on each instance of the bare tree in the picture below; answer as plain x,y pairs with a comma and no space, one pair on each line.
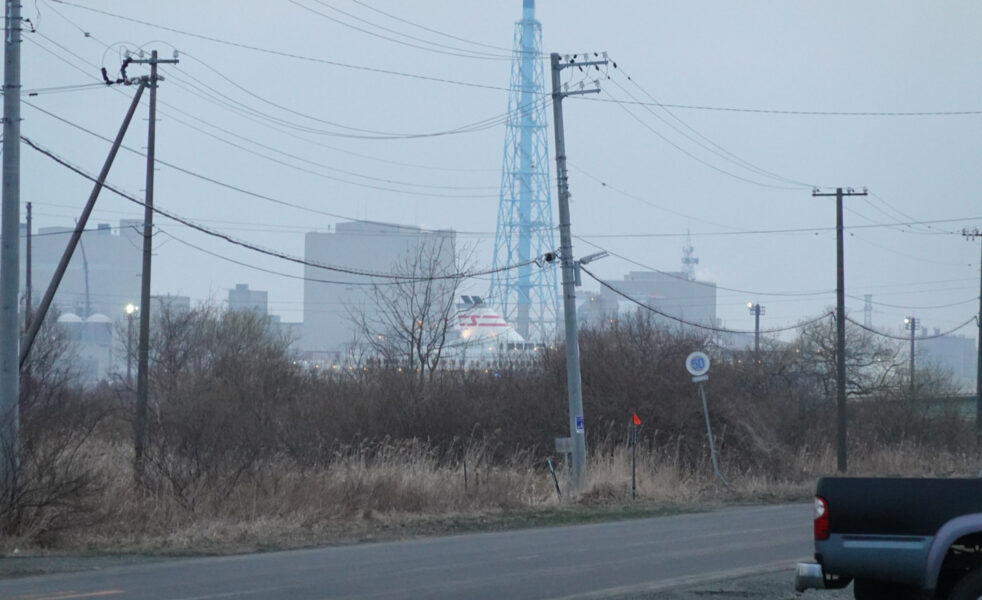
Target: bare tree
408,322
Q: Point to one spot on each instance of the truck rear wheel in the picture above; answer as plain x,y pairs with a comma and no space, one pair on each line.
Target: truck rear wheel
969,587
867,589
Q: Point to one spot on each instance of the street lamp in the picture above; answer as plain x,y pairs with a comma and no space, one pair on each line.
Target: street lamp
756,310
912,324
130,311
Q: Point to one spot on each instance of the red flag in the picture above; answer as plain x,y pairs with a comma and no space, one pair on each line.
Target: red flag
637,420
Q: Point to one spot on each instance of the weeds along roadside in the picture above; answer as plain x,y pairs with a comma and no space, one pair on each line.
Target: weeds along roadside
247,449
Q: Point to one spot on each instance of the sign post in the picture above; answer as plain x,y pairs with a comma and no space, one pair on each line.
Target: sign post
697,364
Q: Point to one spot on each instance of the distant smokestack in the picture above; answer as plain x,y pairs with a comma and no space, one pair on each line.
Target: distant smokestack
528,7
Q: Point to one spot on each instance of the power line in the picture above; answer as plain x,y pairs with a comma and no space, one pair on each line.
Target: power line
223,184
88,35
424,28
906,338
818,113
712,146
284,54
691,323
815,230
266,251
458,52
623,106
682,278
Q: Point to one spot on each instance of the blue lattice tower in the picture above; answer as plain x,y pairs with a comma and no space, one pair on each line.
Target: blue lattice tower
528,296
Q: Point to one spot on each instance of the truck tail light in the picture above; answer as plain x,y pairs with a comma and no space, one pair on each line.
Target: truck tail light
821,519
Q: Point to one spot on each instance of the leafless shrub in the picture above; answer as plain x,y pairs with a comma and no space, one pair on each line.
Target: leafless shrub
53,479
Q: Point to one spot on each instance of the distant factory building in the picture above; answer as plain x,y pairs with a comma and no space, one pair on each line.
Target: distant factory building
676,297
103,275
953,354
352,252
242,298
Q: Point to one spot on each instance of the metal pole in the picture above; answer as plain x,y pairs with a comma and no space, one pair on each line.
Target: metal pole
634,456
129,360
840,332
143,351
66,257
10,250
756,328
27,271
978,366
573,380
709,434
913,333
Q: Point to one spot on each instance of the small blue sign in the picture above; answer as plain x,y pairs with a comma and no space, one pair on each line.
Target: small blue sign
579,423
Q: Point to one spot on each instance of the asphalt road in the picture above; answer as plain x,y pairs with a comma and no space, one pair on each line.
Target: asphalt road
588,561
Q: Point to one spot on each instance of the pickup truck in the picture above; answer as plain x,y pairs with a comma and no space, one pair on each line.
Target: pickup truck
897,538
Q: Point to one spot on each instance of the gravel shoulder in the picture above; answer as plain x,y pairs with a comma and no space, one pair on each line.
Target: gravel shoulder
775,585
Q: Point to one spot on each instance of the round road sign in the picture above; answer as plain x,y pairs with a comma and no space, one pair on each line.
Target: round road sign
697,364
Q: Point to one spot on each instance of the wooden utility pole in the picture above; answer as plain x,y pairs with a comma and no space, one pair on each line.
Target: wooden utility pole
840,321
971,235
143,351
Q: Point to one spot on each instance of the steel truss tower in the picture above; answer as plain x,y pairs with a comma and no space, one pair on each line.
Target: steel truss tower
529,295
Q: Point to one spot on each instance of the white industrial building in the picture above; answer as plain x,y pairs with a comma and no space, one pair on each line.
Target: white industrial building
352,252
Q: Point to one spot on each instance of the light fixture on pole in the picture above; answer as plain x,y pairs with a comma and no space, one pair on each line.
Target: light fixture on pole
130,311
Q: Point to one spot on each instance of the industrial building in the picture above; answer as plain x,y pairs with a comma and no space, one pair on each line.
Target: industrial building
103,275
345,266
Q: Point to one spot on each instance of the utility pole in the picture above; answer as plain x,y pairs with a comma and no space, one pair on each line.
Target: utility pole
868,310
143,351
573,380
66,257
28,304
756,310
971,235
10,250
840,320
25,390
911,323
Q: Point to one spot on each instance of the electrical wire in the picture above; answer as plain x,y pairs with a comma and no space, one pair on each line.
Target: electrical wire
185,54
938,306
694,324
223,184
284,54
709,145
267,251
818,113
623,106
271,271
441,33
906,338
457,52
718,287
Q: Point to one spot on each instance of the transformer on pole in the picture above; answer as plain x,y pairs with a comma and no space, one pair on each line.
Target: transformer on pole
528,296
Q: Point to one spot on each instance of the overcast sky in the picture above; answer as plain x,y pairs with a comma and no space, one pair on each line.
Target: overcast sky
276,120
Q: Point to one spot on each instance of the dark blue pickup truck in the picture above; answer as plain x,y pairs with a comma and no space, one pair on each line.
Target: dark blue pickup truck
897,539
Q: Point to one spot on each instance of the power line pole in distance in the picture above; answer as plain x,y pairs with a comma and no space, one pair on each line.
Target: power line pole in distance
756,310
971,234
840,320
911,323
143,351
573,380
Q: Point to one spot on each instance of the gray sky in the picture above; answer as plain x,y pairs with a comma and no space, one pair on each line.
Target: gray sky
828,56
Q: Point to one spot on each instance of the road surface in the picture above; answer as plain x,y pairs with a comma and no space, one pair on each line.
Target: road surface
576,562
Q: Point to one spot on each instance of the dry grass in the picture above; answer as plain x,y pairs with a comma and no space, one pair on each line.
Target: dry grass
391,490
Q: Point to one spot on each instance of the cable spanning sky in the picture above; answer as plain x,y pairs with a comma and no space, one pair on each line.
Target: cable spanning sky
717,122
